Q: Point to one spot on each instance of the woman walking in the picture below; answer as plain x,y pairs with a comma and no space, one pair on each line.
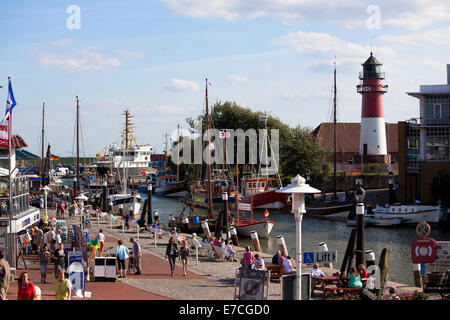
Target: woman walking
121,255
26,289
172,254
44,258
63,287
185,254
60,256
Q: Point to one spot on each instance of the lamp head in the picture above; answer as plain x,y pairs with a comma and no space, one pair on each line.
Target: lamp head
359,193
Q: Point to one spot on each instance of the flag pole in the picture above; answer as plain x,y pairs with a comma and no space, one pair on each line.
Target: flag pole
10,246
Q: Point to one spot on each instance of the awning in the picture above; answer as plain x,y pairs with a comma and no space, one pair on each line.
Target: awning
25,155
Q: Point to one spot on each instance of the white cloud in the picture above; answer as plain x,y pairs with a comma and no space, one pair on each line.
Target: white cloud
130,54
60,43
84,60
437,36
409,14
325,46
180,85
237,78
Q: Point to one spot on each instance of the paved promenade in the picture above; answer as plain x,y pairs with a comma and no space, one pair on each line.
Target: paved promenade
210,279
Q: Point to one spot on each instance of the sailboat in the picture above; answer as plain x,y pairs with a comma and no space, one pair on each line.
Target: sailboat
257,194
244,226
192,222
125,200
333,208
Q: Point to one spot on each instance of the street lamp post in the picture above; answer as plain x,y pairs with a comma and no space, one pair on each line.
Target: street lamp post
359,194
149,201
298,188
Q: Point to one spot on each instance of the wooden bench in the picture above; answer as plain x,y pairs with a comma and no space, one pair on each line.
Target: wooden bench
276,271
330,291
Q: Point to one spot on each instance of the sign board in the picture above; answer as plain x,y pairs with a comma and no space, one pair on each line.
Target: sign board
76,276
24,238
423,229
252,285
320,257
423,250
443,250
74,256
225,135
32,216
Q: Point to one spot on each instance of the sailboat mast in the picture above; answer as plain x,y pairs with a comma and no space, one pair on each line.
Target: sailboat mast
208,165
77,186
178,152
334,128
43,137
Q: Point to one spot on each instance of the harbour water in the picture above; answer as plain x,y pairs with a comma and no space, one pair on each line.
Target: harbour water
334,233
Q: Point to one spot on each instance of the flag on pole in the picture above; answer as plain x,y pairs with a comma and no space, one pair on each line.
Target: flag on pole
53,157
10,102
263,118
266,213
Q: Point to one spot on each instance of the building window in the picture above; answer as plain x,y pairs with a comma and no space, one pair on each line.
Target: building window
392,160
437,148
437,111
339,164
350,161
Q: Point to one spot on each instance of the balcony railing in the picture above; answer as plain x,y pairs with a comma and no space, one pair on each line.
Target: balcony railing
361,88
429,122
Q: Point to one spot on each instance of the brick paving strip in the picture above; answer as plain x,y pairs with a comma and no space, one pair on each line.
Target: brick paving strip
210,279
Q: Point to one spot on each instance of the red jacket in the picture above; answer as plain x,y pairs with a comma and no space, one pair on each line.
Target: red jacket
27,293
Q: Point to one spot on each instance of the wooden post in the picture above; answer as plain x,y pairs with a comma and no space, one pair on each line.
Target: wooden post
206,231
417,277
234,236
349,250
282,245
255,241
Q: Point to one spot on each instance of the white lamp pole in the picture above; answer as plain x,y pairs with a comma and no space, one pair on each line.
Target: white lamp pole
298,188
46,189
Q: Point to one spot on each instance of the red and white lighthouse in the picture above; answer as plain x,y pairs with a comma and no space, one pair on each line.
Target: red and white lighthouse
373,130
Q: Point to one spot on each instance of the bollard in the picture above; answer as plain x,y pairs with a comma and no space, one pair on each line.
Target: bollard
123,226
206,231
255,241
323,247
417,276
185,221
370,258
281,245
234,236
137,231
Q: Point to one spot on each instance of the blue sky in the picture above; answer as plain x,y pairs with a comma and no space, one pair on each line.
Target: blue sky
153,56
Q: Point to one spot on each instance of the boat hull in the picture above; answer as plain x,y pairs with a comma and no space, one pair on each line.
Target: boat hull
244,228
332,211
266,200
129,202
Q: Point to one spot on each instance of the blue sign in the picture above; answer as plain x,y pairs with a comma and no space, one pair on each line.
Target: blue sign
308,257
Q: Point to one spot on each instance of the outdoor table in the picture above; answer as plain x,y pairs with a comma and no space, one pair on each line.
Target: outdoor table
320,283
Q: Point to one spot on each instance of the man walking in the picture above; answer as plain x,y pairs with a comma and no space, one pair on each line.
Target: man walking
5,274
137,255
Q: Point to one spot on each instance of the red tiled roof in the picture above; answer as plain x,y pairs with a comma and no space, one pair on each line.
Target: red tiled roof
17,142
348,135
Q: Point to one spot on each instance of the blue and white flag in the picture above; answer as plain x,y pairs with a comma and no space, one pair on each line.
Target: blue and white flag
263,118
10,102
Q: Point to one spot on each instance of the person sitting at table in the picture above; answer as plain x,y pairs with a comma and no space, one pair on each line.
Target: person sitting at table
275,257
354,279
281,258
362,272
288,266
259,263
316,272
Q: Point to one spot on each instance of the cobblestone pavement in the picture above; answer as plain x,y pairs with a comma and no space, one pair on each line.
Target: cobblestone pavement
208,279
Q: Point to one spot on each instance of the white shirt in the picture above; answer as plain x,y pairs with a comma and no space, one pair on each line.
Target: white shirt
228,249
260,265
58,239
317,273
101,237
287,265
